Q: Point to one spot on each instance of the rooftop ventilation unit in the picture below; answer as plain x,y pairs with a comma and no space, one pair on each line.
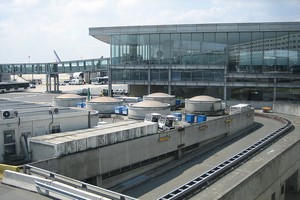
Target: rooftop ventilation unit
9,113
53,110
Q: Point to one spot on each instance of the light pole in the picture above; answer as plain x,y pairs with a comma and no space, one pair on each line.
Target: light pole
31,68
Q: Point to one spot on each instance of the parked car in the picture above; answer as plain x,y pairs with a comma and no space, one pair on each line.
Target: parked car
76,82
65,82
82,92
32,86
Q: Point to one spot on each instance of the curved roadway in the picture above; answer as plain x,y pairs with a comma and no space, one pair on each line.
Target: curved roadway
167,182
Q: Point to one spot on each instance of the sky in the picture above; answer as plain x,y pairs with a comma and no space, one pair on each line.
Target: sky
31,29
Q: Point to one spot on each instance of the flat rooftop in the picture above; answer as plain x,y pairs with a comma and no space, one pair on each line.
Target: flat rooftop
29,109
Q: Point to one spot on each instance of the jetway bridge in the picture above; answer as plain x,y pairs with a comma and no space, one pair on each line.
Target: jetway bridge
53,69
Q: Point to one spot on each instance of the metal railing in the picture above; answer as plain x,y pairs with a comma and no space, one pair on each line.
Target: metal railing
47,188
29,169
228,165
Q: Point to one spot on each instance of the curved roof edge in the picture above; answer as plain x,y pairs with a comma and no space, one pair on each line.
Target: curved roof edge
103,33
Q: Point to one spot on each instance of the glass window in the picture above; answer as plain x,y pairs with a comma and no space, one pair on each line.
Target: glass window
221,49
155,53
269,52
159,75
197,75
144,48
9,136
139,74
208,48
9,142
257,47
294,52
234,51
176,75
163,75
176,53
186,48
115,47
55,129
197,39
186,75
165,48
245,52
154,75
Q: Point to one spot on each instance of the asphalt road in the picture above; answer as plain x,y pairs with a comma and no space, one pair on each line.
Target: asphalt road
167,182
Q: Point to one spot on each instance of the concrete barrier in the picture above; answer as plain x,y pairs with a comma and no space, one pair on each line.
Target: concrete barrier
4,167
21,180
286,108
28,182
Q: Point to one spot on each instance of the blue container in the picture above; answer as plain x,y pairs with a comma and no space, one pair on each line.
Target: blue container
190,118
178,115
201,118
81,105
177,102
124,110
118,110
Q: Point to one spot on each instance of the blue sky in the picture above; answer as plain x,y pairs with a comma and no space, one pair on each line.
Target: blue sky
31,29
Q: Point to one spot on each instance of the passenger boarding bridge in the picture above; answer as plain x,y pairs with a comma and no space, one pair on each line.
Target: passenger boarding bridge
53,69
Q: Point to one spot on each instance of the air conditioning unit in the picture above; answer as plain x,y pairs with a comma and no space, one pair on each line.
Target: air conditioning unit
53,110
9,113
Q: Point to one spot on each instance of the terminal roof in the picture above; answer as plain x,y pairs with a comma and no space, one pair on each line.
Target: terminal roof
104,33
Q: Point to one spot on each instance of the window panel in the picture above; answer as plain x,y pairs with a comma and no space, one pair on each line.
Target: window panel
176,53
197,39
154,49
165,48
186,48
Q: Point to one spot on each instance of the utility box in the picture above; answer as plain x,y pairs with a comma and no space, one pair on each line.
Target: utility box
201,118
190,118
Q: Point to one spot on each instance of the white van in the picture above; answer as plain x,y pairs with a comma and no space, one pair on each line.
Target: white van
239,108
76,82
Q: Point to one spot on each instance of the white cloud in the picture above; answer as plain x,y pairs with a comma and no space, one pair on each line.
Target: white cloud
36,27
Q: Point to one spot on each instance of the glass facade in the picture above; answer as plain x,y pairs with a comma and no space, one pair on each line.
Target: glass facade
250,52
252,62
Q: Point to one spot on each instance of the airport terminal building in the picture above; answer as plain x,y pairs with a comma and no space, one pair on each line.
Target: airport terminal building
244,61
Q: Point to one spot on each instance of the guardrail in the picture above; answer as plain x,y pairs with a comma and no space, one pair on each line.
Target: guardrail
47,188
28,169
228,165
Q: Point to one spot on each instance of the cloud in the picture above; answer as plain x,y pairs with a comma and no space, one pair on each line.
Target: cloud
36,27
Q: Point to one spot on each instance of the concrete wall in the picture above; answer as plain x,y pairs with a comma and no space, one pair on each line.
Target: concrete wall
139,113
101,160
254,104
39,125
286,108
280,161
58,145
67,102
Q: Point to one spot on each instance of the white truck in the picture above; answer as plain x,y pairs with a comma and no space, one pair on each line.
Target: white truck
13,86
76,81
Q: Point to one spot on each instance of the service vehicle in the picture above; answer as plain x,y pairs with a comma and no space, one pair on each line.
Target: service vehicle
10,86
76,82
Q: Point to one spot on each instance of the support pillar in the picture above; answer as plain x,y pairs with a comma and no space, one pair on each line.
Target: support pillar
169,81
180,153
99,180
109,83
47,82
149,80
55,83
